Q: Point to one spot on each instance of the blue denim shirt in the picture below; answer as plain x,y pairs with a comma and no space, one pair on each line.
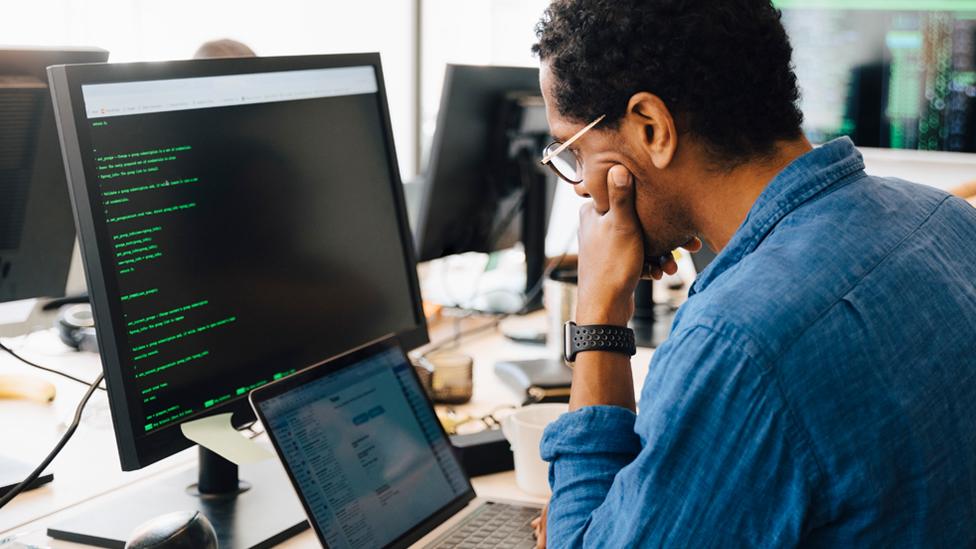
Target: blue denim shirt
818,388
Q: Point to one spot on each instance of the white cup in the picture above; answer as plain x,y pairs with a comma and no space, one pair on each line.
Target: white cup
523,429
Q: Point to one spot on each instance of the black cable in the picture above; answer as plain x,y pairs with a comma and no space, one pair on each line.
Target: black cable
45,368
59,302
16,490
498,231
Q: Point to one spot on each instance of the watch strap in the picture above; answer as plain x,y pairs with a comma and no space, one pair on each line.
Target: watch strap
598,337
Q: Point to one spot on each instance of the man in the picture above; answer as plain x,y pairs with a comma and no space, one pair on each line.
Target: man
818,386
967,191
223,48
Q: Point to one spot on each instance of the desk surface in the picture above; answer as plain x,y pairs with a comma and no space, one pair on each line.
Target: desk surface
88,467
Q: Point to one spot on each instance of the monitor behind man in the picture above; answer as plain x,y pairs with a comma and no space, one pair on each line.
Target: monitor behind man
484,189
893,75
36,230
239,220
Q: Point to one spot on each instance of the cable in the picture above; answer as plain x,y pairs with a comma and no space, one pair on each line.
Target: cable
498,231
45,368
16,490
66,300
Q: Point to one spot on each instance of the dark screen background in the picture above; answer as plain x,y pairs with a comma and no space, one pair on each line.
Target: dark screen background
247,242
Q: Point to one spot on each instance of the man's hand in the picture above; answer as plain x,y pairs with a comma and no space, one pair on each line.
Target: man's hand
967,192
539,524
611,255
666,264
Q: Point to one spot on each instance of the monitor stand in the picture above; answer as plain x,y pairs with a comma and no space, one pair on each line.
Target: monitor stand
534,211
261,511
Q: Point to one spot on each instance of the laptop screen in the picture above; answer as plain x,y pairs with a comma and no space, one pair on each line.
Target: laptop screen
365,449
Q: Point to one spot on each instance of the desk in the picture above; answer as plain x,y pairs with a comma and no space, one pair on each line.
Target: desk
88,467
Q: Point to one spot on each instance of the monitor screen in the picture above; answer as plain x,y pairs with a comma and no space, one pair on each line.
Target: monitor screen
365,450
245,225
895,74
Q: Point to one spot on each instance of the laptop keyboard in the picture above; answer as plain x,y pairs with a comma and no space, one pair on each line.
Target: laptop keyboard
492,525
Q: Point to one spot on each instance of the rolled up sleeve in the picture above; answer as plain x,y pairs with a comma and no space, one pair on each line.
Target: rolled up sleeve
712,459
587,448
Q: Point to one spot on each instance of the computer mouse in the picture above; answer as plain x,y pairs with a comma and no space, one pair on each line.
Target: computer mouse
180,530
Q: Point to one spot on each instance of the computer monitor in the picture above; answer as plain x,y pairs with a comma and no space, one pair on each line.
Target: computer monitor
37,233
898,74
484,188
239,220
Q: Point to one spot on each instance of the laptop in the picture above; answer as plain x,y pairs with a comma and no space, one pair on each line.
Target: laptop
371,463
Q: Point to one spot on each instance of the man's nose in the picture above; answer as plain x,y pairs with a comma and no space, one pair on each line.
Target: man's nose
580,189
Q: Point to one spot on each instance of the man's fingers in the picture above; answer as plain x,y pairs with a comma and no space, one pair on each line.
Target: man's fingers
620,186
657,268
539,525
652,272
693,245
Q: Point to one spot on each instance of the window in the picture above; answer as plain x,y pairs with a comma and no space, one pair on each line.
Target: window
140,30
472,32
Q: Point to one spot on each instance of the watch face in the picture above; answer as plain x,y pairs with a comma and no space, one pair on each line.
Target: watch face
568,354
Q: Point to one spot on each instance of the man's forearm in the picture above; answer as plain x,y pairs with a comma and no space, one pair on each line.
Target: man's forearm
602,378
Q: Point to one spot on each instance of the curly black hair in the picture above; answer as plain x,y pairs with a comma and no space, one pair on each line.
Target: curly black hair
721,66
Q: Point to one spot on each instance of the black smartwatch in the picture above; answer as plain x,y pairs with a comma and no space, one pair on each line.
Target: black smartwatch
597,337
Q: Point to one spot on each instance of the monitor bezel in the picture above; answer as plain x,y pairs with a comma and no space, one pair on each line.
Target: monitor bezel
138,449
328,367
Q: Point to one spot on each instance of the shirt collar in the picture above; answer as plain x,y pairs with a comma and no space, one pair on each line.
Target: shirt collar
806,177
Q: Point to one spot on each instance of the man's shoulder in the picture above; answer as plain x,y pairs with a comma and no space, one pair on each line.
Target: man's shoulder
814,257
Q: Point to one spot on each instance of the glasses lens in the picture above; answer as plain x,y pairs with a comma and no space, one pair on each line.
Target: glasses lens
566,163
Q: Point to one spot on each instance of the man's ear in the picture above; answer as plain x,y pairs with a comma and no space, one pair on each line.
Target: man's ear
650,122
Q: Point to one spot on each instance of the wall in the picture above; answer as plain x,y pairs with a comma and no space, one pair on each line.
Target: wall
142,30
940,170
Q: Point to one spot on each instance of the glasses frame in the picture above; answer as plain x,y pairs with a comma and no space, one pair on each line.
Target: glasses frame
547,158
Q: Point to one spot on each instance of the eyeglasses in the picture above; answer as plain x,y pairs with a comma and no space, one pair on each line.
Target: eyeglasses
563,160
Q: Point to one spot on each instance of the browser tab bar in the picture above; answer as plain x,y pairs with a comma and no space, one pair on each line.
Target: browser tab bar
130,98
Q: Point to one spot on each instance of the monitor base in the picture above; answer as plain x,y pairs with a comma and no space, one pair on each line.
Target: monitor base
263,512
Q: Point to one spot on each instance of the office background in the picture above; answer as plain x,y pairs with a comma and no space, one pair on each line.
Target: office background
416,38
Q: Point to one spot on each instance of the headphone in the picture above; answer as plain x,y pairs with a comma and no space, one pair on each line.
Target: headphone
76,328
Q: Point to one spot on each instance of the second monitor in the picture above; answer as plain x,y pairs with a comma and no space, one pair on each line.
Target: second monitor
484,188
36,230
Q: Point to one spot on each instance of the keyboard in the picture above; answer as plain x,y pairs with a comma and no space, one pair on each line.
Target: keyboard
492,525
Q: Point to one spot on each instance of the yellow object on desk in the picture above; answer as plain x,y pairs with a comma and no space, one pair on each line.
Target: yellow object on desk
26,388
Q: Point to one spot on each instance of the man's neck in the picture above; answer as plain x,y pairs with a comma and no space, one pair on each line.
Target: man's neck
724,199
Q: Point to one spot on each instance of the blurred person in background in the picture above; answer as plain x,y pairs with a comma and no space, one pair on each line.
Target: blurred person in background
225,47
